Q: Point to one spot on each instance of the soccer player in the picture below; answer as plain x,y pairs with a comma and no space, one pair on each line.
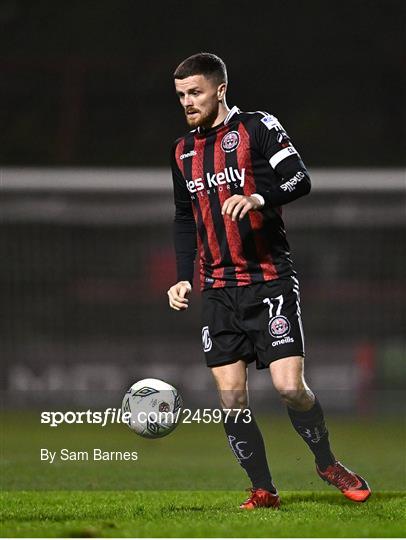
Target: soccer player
231,174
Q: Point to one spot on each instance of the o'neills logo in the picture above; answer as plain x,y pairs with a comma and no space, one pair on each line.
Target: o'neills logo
206,339
227,176
283,341
189,154
291,183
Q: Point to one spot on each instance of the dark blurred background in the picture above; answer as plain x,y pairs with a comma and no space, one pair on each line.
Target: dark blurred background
88,115
90,82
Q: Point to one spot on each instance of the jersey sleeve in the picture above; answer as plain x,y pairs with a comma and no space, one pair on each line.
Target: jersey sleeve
275,145
180,192
184,230
273,141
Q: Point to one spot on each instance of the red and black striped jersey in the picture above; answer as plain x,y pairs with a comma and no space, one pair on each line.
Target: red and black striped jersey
248,153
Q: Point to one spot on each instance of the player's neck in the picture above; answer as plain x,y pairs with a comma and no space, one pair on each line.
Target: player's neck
223,112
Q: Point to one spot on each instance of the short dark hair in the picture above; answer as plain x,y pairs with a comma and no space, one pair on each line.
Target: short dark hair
204,63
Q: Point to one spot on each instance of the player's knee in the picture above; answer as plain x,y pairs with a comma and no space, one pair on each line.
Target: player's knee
292,393
234,399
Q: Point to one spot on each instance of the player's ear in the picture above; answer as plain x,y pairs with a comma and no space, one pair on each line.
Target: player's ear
221,91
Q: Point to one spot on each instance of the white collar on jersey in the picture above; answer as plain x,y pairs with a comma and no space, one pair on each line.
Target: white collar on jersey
231,113
234,110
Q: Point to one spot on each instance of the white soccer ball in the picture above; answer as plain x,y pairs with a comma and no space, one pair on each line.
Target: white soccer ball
154,406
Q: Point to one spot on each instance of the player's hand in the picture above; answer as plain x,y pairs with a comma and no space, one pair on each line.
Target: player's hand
177,295
238,205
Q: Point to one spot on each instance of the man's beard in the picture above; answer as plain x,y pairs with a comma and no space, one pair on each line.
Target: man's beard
203,120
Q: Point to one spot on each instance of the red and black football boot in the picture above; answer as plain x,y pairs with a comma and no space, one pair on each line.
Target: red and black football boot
353,486
261,498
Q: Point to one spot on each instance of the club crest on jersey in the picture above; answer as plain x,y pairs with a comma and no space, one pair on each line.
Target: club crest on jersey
206,339
230,141
279,326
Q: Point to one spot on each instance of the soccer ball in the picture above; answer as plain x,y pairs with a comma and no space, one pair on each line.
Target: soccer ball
154,406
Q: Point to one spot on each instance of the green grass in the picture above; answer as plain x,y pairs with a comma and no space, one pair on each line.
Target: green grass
196,514
188,484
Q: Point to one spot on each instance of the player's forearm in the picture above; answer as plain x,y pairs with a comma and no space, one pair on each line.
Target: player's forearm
185,246
295,183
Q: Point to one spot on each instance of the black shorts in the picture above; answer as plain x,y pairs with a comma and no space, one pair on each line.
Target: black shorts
258,322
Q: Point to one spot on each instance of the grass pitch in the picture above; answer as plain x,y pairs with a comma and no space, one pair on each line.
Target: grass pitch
189,485
197,514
